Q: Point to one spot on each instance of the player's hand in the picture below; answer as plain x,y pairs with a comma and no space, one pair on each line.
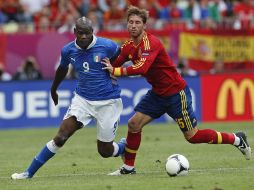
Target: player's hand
54,96
107,64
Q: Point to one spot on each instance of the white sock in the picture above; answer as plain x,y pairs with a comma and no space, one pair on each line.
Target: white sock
128,167
52,146
116,148
237,140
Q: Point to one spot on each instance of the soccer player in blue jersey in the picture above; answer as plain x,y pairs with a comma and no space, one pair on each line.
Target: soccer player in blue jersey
97,96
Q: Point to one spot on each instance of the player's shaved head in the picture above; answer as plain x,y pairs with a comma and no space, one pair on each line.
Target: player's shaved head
83,24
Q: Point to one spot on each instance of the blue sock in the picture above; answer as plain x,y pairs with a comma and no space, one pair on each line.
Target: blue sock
121,145
121,149
39,160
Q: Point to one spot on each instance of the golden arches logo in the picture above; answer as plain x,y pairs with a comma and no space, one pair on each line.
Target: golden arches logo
238,96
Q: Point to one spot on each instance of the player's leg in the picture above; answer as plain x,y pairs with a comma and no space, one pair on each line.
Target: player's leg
146,110
76,116
135,125
187,122
111,149
107,114
67,128
211,136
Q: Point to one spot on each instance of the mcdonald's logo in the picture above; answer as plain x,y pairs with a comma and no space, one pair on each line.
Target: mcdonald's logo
238,97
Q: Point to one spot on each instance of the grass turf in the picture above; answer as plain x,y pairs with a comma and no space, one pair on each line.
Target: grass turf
78,166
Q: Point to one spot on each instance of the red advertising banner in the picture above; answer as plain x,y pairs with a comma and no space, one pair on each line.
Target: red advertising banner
227,97
2,48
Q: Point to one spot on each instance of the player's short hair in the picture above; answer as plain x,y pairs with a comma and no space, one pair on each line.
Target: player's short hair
84,23
142,13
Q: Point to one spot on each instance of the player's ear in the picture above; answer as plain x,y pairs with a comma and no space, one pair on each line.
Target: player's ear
75,30
145,26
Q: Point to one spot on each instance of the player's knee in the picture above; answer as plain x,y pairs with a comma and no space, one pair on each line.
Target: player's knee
105,149
133,126
60,139
104,152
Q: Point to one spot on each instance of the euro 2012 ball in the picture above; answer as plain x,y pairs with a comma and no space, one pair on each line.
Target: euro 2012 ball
177,165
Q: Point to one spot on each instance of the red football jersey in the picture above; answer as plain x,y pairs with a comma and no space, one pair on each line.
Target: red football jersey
151,61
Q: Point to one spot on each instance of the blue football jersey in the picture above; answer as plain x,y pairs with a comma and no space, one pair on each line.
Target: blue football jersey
93,83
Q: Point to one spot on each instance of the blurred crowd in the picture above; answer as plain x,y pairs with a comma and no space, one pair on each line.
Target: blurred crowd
26,16
28,70
59,15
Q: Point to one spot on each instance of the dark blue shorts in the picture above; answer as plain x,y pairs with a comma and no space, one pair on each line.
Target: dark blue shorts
177,106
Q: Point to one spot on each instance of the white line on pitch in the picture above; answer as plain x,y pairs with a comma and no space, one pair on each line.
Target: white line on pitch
142,173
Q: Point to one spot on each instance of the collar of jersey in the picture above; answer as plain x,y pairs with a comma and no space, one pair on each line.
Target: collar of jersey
90,45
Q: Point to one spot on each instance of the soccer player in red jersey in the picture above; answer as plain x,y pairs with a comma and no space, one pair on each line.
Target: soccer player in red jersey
169,93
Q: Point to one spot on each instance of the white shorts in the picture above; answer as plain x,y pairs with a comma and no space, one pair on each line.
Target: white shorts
106,113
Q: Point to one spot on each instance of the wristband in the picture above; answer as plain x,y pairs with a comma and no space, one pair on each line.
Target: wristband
117,71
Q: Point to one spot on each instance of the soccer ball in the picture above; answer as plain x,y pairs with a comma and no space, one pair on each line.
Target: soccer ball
177,165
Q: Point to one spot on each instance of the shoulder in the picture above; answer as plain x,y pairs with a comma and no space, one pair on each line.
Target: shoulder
126,47
68,47
152,39
108,44
151,43
127,43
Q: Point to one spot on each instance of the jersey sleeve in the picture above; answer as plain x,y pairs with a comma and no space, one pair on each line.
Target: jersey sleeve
122,57
113,51
65,60
148,54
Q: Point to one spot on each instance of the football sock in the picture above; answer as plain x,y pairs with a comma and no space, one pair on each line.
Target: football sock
212,137
133,141
116,149
46,153
227,138
237,141
128,167
119,147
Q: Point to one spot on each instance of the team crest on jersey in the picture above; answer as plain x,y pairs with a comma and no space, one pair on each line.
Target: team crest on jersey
130,56
96,58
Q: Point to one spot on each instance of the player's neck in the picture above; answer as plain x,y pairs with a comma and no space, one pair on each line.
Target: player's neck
138,39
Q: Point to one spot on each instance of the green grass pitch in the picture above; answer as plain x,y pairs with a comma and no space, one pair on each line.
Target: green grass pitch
78,166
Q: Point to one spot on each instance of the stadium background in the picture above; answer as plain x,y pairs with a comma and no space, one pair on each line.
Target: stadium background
226,36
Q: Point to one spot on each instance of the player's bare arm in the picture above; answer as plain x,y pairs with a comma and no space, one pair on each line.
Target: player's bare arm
60,75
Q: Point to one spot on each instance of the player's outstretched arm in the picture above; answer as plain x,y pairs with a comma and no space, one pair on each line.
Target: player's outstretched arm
61,72
115,71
